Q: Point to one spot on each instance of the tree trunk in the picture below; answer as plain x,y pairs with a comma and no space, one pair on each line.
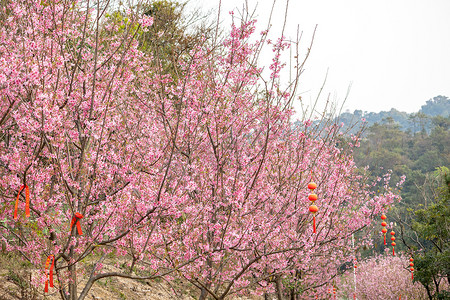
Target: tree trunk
279,288
292,296
203,294
428,292
72,278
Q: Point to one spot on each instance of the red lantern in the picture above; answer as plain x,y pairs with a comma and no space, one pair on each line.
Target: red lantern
314,209
411,264
411,259
393,243
384,231
412,269
312,197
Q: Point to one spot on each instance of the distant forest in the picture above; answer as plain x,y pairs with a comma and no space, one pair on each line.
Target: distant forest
413,123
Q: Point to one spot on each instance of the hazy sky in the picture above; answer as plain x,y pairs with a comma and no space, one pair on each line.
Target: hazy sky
395,54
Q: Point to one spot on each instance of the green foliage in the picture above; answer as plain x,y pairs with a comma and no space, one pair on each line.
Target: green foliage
168,40
431,232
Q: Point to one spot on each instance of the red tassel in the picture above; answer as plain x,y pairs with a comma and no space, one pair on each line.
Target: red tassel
51,270
50,267
354,296
393,251
412,275
27,201
76,219
385,239
314,223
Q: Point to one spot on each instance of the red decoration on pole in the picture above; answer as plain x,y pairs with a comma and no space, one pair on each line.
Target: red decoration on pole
27,201
50,258
313,208
411,264
76,219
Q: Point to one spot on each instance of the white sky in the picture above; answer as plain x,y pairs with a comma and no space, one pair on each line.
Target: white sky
395,53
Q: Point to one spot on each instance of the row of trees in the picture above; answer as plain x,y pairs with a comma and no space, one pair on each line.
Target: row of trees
182,162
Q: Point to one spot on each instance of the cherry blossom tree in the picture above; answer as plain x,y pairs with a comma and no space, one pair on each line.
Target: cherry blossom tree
78,131
203,177
384,277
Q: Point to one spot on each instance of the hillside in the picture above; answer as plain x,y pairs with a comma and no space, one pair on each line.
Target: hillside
414,122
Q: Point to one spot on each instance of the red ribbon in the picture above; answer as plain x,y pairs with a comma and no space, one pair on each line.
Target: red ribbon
50,274
76,219
314,223
27,201
412,275
385,239
393,251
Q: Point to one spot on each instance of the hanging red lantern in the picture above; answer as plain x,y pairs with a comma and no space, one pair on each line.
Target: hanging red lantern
384,231
312,197
313,208
411,264
312,186
393,243
411,259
